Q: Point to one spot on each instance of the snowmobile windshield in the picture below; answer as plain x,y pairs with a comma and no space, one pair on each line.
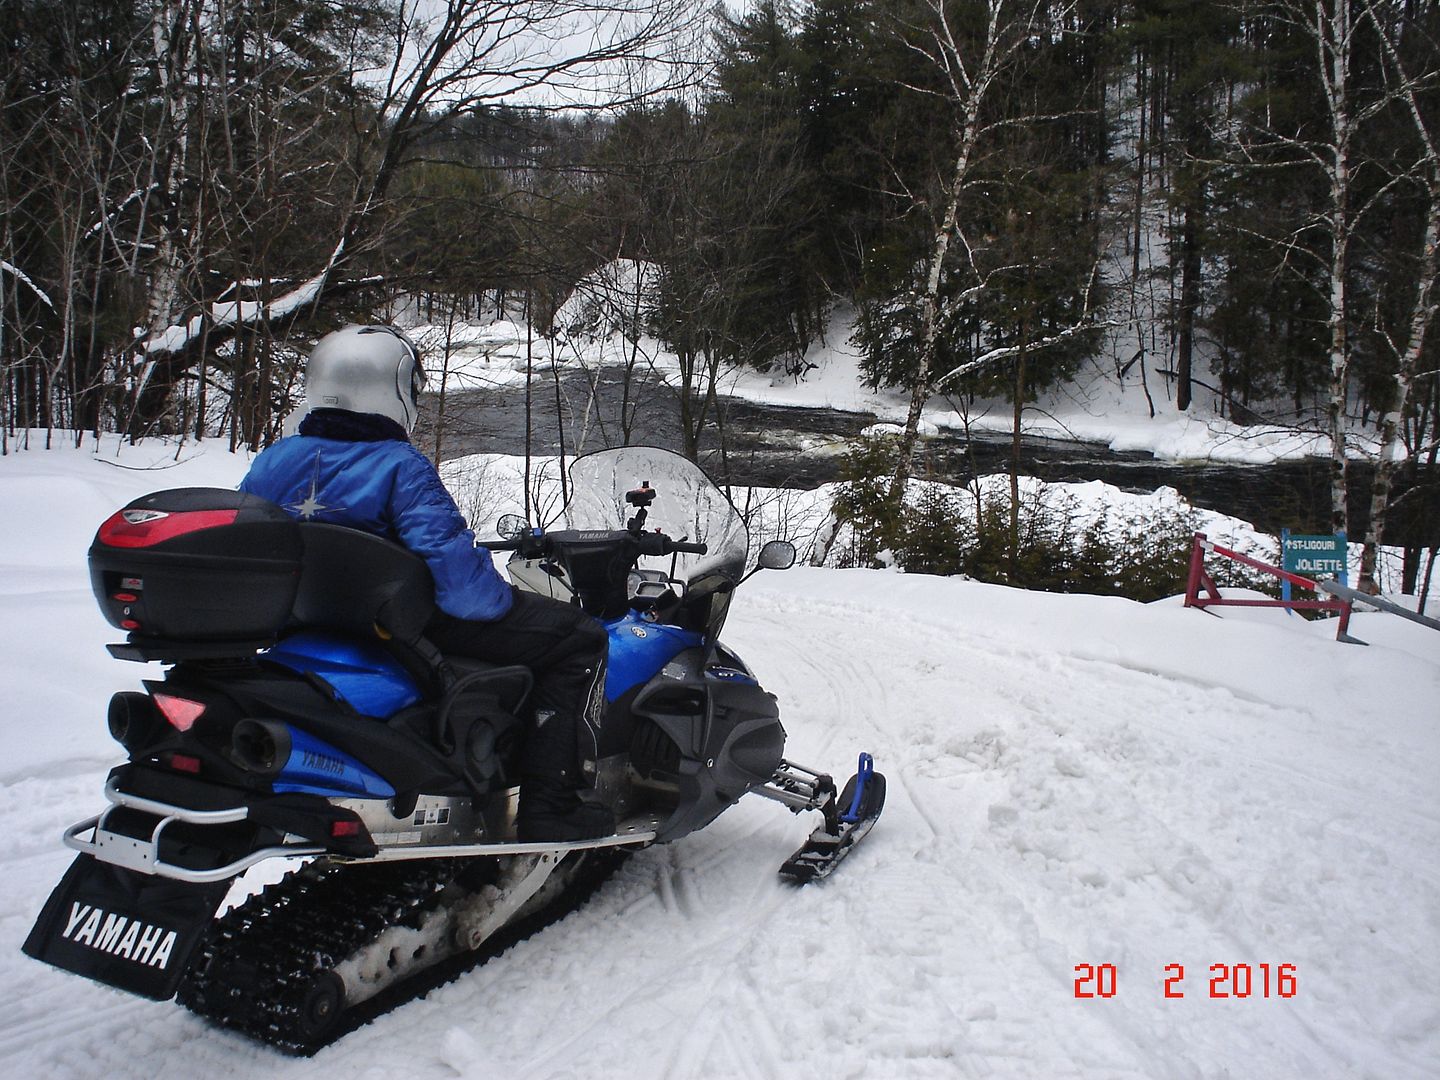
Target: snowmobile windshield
687,506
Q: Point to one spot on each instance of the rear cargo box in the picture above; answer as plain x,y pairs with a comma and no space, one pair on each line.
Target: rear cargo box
197,565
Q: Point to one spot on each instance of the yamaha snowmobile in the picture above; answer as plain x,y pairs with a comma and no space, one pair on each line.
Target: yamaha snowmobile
302,717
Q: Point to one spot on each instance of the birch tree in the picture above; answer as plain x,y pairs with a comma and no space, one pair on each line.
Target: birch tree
972,73
977,50
1412,68
1332,30
1332,35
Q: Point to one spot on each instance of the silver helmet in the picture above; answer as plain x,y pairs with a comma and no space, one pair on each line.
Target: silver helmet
366,369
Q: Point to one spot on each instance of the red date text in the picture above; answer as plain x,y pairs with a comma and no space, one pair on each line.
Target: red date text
1225,981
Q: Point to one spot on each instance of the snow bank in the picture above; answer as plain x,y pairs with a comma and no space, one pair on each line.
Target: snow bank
617,298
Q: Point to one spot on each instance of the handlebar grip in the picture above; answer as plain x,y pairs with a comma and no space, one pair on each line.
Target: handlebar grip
500,545
689,549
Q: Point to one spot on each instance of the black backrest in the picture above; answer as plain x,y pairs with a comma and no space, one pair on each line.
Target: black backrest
354,582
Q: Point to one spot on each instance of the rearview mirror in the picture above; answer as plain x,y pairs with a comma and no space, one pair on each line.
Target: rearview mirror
777,555
511,527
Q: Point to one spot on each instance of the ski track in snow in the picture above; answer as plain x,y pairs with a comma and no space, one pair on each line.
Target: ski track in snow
1071,781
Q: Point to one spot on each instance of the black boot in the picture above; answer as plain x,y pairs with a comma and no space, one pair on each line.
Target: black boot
551,787
552,810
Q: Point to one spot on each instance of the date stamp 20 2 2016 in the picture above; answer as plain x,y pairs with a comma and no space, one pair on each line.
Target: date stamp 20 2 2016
1229,981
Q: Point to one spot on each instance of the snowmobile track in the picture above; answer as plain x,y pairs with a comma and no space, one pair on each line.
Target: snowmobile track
265,966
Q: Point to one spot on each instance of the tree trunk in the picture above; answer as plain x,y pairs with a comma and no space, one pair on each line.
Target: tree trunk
929,344
1189,298
1421,316
1333,40
173,57
1015,453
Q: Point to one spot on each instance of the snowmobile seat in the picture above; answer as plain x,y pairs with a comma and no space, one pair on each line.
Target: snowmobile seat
353,582
356,583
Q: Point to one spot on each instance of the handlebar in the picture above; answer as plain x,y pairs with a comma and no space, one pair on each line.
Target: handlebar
648,543
595,565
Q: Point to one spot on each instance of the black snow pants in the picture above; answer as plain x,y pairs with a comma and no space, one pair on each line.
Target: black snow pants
566,650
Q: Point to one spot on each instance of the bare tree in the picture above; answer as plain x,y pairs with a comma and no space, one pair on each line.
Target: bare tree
442,60
1407,78
1332,30
972,75
974,60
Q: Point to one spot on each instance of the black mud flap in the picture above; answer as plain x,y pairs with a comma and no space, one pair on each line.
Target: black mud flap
128,930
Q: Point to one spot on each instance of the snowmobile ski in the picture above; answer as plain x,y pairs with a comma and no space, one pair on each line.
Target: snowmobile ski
831,842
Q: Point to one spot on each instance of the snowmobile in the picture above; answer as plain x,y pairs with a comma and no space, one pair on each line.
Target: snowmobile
304,722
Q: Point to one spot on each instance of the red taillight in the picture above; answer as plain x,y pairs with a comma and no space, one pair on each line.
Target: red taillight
185,763
181,712
144,528
341,829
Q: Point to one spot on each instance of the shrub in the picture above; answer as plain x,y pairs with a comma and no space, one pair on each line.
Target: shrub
1063,546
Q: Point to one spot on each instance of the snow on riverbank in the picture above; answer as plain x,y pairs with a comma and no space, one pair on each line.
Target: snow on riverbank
1099,405
1096,407
1073,780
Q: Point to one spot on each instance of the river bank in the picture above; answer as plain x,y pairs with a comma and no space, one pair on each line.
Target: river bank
752,441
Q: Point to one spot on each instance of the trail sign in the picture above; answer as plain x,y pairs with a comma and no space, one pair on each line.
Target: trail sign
1315,555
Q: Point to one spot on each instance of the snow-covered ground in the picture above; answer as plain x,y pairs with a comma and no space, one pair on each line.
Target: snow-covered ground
1073,780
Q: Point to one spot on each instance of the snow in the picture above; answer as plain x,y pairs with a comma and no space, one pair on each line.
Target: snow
614,298
239,313
1096,407
24,279
591,326
1072,780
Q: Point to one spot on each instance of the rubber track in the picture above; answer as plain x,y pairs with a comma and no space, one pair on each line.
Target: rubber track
253,972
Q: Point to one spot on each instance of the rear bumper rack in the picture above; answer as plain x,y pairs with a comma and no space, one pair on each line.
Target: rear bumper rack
143,855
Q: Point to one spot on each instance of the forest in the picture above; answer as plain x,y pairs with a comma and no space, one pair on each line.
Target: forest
1234,196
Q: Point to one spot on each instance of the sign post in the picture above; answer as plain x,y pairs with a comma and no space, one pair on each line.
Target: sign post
1315,556
1199,582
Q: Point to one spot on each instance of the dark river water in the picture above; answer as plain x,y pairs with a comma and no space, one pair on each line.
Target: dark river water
776,446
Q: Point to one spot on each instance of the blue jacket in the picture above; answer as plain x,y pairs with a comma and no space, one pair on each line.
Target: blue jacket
361,471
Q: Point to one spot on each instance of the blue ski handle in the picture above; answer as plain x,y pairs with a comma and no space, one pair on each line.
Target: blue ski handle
862,776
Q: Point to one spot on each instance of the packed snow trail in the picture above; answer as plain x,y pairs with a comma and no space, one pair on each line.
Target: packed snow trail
1073,780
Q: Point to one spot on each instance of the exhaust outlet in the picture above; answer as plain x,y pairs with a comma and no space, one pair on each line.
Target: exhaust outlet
261,746
133,719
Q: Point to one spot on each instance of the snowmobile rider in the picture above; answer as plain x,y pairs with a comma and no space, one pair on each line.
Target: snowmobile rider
351,463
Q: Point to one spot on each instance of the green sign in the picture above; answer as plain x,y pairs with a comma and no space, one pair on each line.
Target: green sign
1315,555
